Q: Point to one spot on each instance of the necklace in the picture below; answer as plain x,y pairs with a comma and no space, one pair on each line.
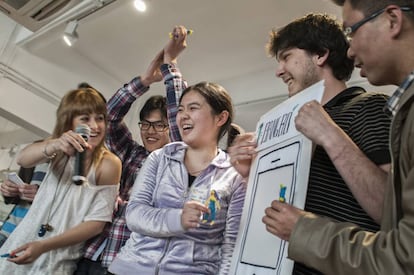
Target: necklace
197,172
46,227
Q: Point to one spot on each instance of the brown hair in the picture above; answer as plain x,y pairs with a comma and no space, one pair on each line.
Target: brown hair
78,102
316,34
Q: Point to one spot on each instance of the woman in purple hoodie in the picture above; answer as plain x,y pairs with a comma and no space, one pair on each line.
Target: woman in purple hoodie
171,191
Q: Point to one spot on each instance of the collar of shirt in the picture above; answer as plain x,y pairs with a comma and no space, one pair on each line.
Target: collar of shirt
392,103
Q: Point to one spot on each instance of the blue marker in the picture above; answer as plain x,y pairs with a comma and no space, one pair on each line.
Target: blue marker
8,255
282,193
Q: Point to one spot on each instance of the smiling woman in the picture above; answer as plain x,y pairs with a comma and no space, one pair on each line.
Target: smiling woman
174,188
64,215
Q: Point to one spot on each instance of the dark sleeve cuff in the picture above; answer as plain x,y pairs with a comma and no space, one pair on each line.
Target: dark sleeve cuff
380,157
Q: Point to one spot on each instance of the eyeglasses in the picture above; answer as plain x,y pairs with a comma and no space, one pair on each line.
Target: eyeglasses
349,31
158,126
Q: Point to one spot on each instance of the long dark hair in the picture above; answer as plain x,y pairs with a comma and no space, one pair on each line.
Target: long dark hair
218,99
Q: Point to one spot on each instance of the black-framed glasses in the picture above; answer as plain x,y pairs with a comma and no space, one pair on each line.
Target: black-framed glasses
349,31
158,126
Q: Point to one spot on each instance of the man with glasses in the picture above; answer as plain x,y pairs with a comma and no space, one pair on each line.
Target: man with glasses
348,31
382,33
157,127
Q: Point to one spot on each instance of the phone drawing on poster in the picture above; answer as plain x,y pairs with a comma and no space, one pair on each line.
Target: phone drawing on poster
279,172
275,168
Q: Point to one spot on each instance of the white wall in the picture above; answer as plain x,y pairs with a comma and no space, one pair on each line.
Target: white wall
35,84
7,159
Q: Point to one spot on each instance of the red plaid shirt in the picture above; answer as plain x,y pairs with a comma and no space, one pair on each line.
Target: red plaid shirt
132,154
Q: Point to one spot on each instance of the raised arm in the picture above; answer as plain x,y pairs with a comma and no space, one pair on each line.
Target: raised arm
119,138
365,178
44,151
173,78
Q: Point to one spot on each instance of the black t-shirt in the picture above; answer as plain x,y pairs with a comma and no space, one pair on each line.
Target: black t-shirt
361,116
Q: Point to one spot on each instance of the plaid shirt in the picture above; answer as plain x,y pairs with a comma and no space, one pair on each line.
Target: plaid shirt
132,155
392,103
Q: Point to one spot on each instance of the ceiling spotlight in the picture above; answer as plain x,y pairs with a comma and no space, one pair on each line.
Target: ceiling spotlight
140,5
70,35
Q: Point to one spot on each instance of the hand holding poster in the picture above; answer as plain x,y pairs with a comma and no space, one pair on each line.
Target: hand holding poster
279,172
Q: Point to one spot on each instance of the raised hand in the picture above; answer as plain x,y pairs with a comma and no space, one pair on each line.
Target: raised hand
315,123
175,45
68,143
153,73
242,152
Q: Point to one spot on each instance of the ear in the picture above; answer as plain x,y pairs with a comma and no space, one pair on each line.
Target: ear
222,118
321,59
395,20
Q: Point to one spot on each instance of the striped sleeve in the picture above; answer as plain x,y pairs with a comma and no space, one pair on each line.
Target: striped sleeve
174,85
370,128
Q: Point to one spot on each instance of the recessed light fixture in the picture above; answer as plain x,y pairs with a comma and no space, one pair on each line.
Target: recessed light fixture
140,5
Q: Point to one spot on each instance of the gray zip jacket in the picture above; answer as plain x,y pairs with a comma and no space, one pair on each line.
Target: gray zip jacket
158,243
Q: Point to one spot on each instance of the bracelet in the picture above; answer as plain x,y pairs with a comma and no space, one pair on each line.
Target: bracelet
52,156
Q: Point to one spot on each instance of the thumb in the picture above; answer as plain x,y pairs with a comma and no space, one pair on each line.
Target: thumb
19,249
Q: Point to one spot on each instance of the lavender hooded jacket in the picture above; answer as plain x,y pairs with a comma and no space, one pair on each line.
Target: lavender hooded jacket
158,243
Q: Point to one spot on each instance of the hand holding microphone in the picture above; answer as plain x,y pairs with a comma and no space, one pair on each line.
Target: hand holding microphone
79,172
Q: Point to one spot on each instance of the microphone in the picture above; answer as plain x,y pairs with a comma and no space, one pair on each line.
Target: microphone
79,174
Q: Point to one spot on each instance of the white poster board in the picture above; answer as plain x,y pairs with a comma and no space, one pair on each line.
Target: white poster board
283,158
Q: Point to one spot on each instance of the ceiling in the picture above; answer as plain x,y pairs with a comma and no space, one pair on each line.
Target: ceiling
227,47
228,40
